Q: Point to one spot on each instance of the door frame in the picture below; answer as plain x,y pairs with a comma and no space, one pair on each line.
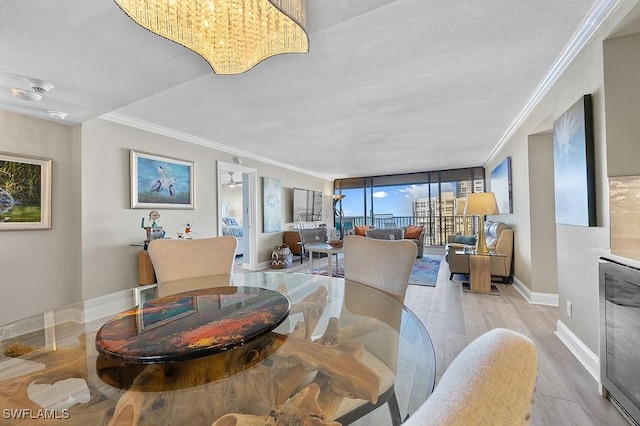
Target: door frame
250,189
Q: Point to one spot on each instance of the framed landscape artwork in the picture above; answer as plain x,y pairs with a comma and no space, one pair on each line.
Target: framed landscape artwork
272,204
25,192
161,182
573,165
501,186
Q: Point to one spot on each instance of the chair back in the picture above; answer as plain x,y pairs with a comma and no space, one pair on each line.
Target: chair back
491,382
181,259
385,233
314,235
383,264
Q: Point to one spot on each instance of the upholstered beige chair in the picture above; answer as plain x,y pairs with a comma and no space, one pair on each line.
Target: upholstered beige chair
192,259
491,382
385,265
499,238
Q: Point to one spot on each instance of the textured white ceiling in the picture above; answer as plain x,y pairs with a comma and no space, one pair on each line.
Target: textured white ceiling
387,86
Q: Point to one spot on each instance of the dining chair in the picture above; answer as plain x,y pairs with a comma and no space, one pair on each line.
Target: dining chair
491,382
310,236
385,265
192,259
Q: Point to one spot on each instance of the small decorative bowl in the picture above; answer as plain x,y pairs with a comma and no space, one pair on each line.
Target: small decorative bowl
335,243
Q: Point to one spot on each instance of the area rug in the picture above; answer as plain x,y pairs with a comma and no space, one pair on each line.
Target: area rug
424,271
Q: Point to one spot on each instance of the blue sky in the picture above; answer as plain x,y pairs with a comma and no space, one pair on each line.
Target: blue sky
396,200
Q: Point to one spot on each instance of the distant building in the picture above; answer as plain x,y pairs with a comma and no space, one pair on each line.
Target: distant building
466,187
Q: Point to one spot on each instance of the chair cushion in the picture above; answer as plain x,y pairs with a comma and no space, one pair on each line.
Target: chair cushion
466,239
361,230
492,232
385,233
412,232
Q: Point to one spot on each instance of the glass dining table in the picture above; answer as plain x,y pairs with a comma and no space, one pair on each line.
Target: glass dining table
337,352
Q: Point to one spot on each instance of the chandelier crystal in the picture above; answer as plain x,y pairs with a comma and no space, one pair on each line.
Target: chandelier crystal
231,35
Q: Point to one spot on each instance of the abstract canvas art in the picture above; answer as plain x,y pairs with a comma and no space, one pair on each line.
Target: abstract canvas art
501,186
272,204
574,163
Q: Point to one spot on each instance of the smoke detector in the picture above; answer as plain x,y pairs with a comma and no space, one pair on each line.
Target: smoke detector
39,86
26,95
58,115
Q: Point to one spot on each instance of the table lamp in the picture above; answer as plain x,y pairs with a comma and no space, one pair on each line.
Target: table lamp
481,204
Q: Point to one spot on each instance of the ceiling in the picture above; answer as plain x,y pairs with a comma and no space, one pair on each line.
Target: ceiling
388,86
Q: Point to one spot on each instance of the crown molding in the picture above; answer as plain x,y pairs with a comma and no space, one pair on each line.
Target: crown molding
175,134
593,22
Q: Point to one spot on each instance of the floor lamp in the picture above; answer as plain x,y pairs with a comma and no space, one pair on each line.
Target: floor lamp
337,198
481,204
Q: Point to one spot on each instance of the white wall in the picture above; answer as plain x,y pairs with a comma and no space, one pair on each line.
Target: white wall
109,263
88,251
38,268
577,247
544,264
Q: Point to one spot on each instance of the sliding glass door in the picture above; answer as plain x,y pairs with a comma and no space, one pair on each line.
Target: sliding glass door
429,199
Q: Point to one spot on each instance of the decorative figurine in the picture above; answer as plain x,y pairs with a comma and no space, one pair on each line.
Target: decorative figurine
154,231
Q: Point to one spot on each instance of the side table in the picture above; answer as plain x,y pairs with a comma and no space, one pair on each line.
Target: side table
480,272
323,248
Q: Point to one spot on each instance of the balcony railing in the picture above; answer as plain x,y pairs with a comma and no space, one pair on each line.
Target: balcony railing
437,228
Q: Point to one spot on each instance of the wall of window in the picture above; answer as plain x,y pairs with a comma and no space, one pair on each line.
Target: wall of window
426,198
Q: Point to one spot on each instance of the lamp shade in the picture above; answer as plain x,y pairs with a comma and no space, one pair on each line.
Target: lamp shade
481,203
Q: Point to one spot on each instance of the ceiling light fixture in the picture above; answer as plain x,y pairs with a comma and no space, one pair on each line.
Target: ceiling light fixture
231,35
58,115
26,95
39,86
232,183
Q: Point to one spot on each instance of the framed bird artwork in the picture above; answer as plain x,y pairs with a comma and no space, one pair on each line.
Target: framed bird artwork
161,182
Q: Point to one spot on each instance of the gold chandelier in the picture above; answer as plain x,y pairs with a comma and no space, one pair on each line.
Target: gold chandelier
232,35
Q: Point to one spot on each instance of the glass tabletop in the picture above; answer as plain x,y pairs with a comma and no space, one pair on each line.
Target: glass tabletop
474,252
343,344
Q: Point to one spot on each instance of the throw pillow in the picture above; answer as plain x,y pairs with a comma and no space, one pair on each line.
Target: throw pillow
413,232
466,239
362,230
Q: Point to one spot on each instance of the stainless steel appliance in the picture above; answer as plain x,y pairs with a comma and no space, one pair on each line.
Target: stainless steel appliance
620,335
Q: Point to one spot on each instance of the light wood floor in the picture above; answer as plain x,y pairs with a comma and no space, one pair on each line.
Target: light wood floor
566,394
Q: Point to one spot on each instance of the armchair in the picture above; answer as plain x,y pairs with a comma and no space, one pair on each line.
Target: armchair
499,238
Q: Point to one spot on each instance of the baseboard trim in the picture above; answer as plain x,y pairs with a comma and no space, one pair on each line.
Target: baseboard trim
549,299
264,265
587,358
